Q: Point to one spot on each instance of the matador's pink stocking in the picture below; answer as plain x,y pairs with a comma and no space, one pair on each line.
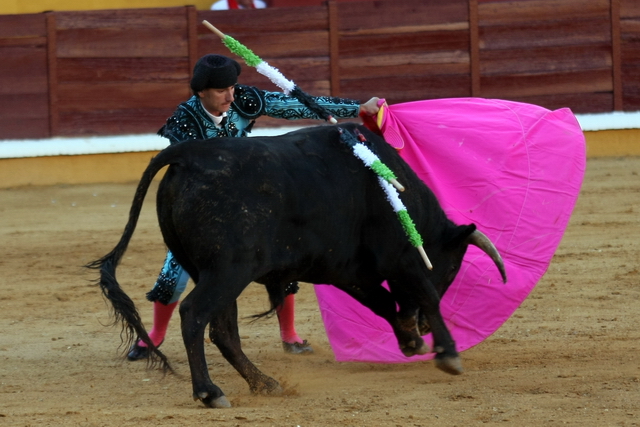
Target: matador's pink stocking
286,317
161,317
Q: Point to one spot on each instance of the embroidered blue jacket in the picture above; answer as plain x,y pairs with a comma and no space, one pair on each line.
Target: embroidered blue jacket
191,121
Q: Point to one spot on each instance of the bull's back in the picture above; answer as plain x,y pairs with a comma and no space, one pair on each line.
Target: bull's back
244,186
303,194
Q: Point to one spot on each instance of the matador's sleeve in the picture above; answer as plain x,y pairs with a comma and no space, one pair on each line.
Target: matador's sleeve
282,106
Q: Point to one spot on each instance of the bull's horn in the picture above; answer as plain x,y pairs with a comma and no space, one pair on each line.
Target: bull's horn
477,238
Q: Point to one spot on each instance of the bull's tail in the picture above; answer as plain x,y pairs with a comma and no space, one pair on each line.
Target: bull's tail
124,310
277,296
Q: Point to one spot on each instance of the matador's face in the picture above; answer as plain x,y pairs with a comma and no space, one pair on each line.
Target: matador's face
217,101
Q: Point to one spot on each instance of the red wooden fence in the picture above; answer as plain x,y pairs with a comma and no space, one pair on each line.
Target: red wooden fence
24,84
124,71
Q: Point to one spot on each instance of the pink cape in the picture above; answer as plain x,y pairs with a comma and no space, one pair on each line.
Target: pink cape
513,169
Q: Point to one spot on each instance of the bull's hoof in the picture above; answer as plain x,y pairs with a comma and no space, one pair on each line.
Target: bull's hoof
412,349
450,364
267,386
218,402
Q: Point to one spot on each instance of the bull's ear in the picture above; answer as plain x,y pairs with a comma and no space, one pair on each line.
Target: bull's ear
460,235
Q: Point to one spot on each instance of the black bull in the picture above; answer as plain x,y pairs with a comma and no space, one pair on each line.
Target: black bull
295,207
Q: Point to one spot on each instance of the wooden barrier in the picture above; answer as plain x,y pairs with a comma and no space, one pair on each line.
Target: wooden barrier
81,169
114,72
24,86
128,167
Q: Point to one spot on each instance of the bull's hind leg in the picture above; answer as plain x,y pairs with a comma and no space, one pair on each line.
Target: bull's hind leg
196,311
224,334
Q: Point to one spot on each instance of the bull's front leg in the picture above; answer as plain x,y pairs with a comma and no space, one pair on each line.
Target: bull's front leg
224,334
409,334
447,358
404,324
420,309
409,338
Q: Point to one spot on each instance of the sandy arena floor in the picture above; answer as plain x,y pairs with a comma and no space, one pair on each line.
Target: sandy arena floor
569,355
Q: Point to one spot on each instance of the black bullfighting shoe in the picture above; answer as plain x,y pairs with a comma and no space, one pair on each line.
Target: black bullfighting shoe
137,352
297,348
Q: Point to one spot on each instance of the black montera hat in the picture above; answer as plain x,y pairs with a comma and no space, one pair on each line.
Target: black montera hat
214,71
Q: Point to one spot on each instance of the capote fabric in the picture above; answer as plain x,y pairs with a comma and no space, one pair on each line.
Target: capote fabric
513,169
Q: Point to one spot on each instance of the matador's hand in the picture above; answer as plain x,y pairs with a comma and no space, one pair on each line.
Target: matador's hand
371,107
